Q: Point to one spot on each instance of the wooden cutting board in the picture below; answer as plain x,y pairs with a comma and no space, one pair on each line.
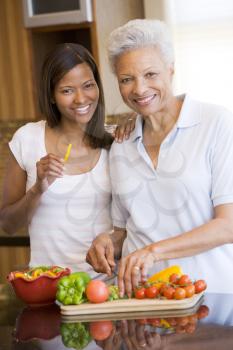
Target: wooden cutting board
130,305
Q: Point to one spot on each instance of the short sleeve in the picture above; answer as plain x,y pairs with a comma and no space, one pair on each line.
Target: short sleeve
119,214
222,161
16,146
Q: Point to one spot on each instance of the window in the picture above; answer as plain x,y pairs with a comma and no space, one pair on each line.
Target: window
203,38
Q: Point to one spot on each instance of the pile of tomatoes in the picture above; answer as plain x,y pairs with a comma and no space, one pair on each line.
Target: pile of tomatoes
178,287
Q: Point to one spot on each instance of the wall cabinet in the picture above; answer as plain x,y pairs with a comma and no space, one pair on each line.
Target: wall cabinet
23,49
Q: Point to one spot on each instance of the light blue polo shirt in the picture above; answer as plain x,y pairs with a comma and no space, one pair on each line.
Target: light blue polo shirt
194,174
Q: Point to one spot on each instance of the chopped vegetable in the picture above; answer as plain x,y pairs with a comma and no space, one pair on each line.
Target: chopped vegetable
35,272
71,289
113,292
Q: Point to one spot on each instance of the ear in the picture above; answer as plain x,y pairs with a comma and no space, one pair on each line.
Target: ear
172,69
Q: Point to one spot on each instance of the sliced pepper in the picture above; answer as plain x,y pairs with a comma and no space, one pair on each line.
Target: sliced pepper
163,276
71,289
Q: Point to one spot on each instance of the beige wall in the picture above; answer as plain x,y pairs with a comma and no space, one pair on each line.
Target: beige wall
109,15
155,9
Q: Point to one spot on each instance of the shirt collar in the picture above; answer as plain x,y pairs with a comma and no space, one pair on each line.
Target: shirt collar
190,115
137,132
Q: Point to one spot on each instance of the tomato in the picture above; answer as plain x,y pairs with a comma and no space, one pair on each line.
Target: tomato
97,291
202,312
200,285
162,288
174,278
101,330
189,290
169,292
151,292
140,293
179,293
184,280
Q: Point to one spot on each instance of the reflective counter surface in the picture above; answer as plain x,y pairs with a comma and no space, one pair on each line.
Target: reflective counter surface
208,326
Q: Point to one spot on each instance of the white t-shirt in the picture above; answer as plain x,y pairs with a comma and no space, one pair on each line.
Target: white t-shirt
71,213
194,174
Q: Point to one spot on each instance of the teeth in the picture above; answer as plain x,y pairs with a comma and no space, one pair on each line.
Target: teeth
82,109
144,100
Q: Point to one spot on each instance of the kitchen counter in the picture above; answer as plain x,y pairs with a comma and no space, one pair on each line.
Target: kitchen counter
208,327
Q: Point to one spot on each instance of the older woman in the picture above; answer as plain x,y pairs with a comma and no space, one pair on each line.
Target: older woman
172,180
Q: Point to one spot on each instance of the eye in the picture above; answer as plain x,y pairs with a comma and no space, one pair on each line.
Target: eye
67,91
90,85
125,80
151,75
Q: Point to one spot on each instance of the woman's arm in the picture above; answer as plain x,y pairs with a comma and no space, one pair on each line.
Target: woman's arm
18,205
218,231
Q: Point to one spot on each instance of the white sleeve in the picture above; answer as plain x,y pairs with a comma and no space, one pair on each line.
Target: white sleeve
17,146
222,162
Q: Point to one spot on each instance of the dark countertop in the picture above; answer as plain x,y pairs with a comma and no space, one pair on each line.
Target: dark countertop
208,327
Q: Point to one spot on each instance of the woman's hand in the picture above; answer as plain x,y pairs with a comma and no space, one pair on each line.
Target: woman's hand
133,269
49,168
124,128
136,337
101,254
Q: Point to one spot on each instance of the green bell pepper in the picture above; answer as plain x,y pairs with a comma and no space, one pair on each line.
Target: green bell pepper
71,289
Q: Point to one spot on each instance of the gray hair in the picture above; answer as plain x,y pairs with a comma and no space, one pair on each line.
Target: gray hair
140,33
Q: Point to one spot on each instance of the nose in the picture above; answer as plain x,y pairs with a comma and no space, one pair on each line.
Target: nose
139,87
79,97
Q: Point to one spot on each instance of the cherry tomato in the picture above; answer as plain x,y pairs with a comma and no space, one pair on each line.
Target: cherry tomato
174,278
151,292
200,285
97,291
169,292
162,288
101,330
202,312
189,290
179,293
184,280
140,293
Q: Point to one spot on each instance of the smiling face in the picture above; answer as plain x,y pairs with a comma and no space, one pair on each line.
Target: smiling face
77,95
145,80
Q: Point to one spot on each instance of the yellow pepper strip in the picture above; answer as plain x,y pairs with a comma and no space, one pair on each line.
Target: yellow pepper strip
163,275
68,152
19,274
50,273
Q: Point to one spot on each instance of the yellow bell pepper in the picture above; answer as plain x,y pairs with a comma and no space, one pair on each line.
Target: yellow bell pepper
163,275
